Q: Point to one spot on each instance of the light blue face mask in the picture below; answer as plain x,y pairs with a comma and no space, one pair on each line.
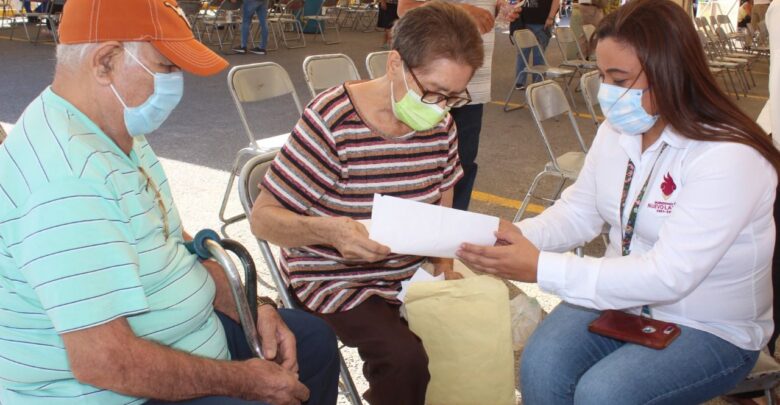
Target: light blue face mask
623,109
147,117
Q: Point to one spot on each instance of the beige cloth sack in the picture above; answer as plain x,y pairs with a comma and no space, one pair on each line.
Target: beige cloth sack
465,328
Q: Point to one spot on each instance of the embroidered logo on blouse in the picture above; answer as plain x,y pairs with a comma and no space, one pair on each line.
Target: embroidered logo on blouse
668,186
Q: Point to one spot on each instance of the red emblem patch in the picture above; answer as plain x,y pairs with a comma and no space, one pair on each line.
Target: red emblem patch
668,186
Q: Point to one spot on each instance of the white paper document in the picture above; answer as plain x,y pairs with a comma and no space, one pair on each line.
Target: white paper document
419,276
414,228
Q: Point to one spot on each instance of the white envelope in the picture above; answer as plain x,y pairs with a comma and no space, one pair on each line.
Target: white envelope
419,229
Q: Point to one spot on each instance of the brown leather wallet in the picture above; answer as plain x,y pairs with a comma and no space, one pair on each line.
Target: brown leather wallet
635,329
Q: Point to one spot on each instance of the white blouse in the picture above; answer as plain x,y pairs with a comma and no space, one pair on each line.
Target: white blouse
702,248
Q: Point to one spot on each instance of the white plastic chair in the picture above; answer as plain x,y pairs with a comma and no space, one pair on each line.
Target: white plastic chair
525,39
376,64
255,83
325,71
248,189
547,101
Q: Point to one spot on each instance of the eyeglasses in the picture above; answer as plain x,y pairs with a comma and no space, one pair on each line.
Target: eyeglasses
157,200
432,97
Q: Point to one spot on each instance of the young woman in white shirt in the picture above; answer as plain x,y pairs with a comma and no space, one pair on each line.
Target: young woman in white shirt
686,182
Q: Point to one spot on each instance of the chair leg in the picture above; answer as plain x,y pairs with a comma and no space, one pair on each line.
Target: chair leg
528,196
223,207
509,96
350,389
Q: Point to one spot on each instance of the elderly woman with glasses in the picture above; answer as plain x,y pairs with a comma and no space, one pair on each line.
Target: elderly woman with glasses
394,136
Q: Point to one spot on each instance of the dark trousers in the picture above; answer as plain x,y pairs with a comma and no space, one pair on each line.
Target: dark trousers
395,363
468,119
318,359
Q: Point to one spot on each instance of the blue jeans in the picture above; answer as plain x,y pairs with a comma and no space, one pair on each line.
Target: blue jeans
564,363
468,120
543,37
252,7
318,359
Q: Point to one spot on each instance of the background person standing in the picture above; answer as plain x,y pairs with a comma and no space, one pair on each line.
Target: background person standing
539,17
250,8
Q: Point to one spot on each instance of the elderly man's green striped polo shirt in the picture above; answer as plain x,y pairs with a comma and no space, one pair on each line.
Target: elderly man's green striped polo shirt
82,242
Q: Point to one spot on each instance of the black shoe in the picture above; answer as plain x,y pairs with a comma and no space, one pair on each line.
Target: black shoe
239,50
520,87
258,51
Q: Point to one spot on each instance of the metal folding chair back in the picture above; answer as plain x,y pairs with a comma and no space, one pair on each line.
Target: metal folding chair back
249,180
589,30
547,101
251,84
589,84
323,20
568,44
325,71
524,40
376,64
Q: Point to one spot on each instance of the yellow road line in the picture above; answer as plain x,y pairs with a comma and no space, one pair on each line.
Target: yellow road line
504,202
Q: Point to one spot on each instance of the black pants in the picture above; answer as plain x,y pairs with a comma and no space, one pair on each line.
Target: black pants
468,119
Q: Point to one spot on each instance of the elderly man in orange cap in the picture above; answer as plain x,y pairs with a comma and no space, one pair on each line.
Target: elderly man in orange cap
100,302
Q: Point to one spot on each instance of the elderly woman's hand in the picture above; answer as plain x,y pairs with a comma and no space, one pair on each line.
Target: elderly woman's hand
513,257
350,238
482,17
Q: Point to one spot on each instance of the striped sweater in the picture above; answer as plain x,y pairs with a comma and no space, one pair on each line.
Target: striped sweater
331,166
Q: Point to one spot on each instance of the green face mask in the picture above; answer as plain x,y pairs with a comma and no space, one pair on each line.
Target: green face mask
413,112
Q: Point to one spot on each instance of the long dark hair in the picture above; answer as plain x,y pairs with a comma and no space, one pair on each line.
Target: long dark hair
684,90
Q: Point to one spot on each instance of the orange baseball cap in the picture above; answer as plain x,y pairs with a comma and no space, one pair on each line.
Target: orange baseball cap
160,22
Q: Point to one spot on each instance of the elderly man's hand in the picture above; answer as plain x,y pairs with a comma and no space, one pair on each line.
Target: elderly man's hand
278,340
513,257
484,19
274,384
350,238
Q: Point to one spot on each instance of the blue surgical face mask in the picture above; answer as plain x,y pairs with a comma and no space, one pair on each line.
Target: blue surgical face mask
147,117
623,109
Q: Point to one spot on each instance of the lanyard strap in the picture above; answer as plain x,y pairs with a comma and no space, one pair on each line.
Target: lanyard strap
628,230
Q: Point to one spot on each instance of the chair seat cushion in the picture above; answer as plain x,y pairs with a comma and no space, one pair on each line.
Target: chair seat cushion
570,163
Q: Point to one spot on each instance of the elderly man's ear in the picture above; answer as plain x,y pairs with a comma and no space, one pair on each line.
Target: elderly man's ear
106,60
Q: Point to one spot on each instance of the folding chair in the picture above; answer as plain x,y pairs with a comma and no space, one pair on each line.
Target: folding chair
289,16
376,64
252,84
590,83
322,19
546,101
225,18
765,376
571,52
589,30
36,19
724,21
361,15
192,10
325,71
718,66
525,39
251,175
